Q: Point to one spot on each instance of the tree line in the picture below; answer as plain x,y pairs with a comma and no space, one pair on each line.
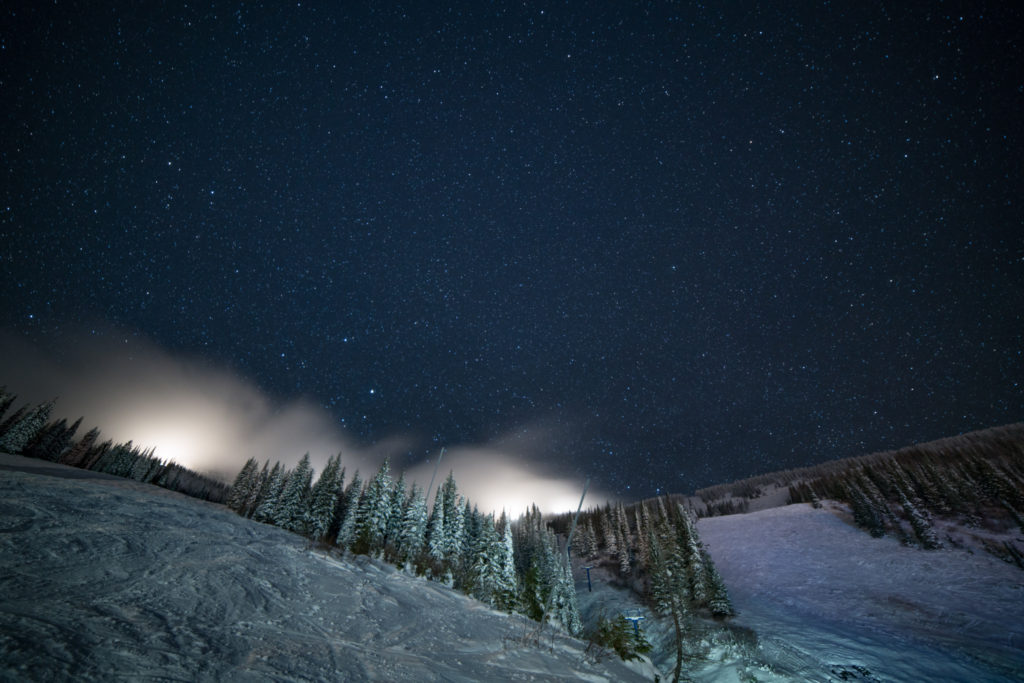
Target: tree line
28,431
654,546
975,479
515,567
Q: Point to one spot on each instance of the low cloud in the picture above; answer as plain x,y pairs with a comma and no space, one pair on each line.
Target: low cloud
497,480
201,416
212,420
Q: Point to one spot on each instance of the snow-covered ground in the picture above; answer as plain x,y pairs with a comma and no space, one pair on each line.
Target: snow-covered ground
103,579
830,603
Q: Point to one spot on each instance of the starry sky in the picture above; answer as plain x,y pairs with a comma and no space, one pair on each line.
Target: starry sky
678,243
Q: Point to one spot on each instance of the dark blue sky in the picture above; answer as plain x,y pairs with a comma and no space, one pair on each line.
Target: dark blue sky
694,243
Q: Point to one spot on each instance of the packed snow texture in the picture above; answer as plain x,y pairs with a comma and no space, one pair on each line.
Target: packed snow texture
831,603
105,579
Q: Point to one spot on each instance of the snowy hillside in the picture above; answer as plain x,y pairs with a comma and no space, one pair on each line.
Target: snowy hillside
829,602
103,578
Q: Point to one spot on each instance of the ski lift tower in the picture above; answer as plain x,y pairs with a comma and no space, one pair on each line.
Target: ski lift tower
635,616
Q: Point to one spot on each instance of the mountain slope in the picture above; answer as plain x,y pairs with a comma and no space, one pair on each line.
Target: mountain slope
108,579
829,602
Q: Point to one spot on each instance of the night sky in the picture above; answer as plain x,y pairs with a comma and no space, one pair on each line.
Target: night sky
682,243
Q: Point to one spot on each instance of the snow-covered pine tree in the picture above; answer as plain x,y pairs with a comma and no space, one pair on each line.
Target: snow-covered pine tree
264,511
374,510
95,454
256,489
564,607
641,534
589,539
414,527
718,601
154,470
338,506
505,591
662,511
242,487
922,527
865,512
291,512
260,490
322,500
485,564
75,455
579,542
396,516
448,496
660,589
24,430
608,531
668,588
455,532
437,542
349,526
13,419
690,547
622,539
51,441
143,465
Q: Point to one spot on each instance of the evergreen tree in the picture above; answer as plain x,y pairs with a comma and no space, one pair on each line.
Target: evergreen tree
455,532
719,602
922,527
608,531
15,418
589,540
414,526
95,454
437,542
264,512
52,440
21,432
6,401
622,539
505,591
641,534
263,489
668,586
486,564
396,516
323,498
290,513
260,487
349,525
562,589
692,552
75,456
374,510
453,517
242,486
618,635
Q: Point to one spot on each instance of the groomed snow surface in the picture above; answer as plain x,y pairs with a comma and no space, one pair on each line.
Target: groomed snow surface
105,579
831,603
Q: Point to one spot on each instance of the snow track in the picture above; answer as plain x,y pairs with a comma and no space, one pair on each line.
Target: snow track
109,580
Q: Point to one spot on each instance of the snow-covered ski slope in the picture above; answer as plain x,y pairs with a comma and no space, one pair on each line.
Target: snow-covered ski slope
104,579
831,603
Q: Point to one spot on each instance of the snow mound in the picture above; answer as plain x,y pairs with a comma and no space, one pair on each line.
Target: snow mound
831,603
105,580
